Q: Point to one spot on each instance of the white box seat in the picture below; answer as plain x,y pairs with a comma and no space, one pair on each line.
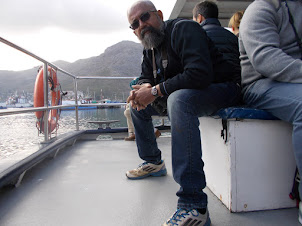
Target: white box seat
249,160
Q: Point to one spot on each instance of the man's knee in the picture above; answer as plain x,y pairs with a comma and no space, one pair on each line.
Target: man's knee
143,114
175,101
188,97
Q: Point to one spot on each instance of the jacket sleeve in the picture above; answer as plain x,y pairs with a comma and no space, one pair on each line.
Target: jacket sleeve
266,42
189,42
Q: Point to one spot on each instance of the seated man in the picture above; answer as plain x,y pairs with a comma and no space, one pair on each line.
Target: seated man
179,70
206,14
271,53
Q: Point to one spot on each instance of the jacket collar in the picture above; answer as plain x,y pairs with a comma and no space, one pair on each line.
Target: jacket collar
213,21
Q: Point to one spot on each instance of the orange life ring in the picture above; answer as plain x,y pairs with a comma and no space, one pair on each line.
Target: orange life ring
39,99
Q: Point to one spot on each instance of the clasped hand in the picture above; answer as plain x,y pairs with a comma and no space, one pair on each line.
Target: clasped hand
140,96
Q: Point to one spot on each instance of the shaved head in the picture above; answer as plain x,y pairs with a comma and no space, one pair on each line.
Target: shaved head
148,5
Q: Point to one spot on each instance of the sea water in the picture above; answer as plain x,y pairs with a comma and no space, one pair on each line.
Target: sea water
19,132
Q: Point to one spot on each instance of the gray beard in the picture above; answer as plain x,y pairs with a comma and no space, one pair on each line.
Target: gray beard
152,39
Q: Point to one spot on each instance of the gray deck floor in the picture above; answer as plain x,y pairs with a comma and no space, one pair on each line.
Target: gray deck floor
86,185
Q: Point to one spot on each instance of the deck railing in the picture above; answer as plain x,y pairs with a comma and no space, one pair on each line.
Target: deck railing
46,108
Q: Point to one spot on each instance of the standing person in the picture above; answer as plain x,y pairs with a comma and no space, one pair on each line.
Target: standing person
131,134
235,22
177,73
206,14
271,53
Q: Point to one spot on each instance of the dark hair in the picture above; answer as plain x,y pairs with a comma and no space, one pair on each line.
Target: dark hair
208,9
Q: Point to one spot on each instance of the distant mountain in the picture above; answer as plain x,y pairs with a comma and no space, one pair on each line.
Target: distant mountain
121,59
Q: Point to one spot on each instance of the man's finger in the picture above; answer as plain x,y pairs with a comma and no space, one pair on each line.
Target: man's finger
136,87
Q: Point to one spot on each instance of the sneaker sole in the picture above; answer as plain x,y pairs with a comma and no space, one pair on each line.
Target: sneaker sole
208,223
156,174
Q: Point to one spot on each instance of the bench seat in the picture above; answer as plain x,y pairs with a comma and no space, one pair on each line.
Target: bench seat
249,161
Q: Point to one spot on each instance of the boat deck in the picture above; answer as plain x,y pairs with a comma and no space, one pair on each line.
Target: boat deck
86,185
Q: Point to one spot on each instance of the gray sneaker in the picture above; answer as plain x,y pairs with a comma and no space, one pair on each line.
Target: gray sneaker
147,169
184,217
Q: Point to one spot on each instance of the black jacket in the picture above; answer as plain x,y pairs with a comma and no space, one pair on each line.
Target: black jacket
224,40
193,60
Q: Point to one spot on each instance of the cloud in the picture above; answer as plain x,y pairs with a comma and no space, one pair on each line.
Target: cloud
64,29
89,16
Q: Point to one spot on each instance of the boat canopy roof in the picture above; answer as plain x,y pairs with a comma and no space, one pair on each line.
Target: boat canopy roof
183,9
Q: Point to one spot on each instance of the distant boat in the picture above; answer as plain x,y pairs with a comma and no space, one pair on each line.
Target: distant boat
72,102
112,105
107,103
80,108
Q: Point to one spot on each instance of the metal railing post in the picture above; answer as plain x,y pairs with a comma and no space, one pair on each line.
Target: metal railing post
45,85
76,102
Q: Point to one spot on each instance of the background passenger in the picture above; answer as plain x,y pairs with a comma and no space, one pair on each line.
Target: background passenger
235,22
206,14
271,53
131,134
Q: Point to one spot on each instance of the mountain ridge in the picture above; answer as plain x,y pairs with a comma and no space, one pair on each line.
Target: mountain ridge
120,60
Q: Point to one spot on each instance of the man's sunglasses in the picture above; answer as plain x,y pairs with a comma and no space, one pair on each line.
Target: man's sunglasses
144,17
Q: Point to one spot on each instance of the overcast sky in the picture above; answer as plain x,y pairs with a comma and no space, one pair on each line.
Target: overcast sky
64,29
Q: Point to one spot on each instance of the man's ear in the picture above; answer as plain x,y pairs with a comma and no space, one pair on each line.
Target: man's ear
200,18
233,29
160,13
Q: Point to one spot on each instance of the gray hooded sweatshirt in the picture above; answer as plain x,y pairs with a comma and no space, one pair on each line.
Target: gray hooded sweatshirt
267,42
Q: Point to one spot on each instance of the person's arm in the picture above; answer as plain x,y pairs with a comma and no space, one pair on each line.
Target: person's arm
189,41
259,33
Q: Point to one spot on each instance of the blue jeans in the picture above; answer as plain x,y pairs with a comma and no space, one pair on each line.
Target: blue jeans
184,108
283,100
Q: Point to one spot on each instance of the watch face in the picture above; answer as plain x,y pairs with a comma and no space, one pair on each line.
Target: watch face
154,91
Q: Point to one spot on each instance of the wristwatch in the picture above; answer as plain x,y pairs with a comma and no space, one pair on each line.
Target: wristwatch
154,91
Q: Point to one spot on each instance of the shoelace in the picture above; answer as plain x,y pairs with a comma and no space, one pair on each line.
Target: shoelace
179,214
142,164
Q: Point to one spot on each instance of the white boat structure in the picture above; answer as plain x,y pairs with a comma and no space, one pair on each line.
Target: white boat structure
18,101
78,178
